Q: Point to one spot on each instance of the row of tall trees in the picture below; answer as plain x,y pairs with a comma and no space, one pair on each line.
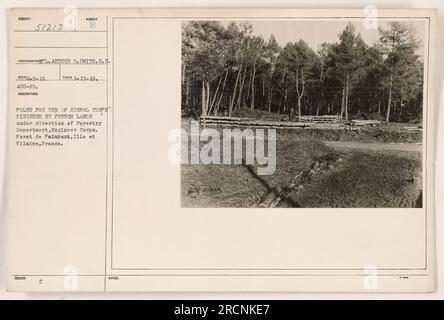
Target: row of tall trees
226,67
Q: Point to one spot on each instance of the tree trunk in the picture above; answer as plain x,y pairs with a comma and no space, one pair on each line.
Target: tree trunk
216,109
204,101
234,91
263,86
270,97
342,102
285,99
389,98
252,84
210,108
247,96
183,72
187,92
239,99
300,92
283,74
208,97
346,101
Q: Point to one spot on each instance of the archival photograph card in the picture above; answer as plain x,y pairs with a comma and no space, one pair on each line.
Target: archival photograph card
235,150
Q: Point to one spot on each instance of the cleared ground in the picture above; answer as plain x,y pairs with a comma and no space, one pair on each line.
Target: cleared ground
355,171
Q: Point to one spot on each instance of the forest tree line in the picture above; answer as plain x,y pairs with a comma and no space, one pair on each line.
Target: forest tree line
227,67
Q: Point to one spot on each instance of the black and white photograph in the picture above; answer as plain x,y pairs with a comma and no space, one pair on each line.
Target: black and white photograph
249,151
302,113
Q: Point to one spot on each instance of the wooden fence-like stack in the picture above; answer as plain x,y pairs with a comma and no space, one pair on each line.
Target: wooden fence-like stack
366,122
321,119
306,122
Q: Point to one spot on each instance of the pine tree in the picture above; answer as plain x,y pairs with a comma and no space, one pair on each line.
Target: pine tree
398,47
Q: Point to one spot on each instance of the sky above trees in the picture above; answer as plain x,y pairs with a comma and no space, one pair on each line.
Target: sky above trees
317,32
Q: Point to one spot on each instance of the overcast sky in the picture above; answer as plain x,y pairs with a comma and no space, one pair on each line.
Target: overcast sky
316,32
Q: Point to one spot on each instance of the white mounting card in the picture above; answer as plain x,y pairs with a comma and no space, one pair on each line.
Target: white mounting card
221,150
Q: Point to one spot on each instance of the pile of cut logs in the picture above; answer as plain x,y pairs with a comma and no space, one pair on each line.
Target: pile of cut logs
311,122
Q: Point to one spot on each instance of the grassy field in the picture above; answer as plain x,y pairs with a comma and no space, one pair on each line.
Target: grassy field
332,176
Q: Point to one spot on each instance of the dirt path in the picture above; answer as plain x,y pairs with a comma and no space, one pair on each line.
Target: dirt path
413,147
